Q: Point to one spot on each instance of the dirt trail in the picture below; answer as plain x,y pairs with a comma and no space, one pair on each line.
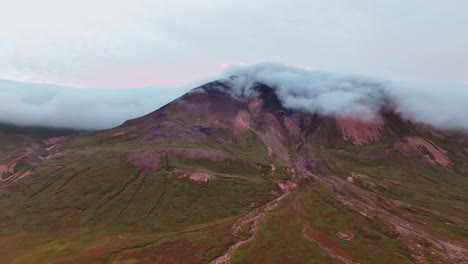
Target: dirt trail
253,218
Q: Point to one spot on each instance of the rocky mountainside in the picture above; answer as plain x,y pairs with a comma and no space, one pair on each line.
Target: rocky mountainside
218,177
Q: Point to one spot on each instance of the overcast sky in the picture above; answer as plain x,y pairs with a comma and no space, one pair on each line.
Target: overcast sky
134,43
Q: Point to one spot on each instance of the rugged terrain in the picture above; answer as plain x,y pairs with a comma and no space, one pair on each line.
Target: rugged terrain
215,178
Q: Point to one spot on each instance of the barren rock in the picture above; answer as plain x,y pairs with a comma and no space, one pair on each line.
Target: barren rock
200,177
345,236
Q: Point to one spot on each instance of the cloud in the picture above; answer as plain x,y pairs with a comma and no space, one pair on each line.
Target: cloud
442,105
56,106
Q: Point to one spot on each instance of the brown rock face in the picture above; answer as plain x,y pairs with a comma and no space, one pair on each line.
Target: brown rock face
242,123
345,236
272,133
7,167
198,177
292,125
212,114
287,186
291,171
255,106
359,132
419,147
53,141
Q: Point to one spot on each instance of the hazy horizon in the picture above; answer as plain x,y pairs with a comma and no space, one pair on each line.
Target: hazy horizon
327,93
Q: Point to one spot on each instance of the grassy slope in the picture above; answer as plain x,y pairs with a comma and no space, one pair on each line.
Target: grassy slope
93,206
81,203
310,219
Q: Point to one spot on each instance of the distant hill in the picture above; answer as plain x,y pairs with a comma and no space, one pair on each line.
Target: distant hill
36,131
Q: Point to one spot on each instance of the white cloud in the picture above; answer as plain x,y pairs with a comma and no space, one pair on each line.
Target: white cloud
442,105
48,105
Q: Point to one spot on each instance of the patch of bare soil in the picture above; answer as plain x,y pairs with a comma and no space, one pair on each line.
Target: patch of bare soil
271,134
290,171
345,236
414,147
292,125
255,106
16,176
198,177
242,123
359,132
36,152
118,134
53,155
53,141
7,167
419,147
287,186
20,175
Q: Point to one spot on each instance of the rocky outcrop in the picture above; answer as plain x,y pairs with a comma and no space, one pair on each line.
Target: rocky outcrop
198,177
426,150
359,132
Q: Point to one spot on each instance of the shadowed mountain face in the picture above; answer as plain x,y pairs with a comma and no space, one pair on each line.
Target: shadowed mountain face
215,177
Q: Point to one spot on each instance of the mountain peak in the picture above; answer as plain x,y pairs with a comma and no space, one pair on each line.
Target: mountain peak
216,171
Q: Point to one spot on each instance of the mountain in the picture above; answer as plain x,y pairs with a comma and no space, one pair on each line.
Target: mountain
217,176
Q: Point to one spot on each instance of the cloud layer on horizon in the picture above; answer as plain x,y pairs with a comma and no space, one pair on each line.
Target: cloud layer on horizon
56,106
441,105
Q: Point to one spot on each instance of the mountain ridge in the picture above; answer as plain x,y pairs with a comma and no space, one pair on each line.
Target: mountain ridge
213,177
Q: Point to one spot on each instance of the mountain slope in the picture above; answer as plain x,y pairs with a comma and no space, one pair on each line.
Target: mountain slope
215,177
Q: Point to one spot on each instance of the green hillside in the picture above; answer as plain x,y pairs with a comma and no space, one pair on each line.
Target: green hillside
239,186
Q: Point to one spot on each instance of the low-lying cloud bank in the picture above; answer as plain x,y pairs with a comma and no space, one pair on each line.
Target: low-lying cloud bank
48,105
442,105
